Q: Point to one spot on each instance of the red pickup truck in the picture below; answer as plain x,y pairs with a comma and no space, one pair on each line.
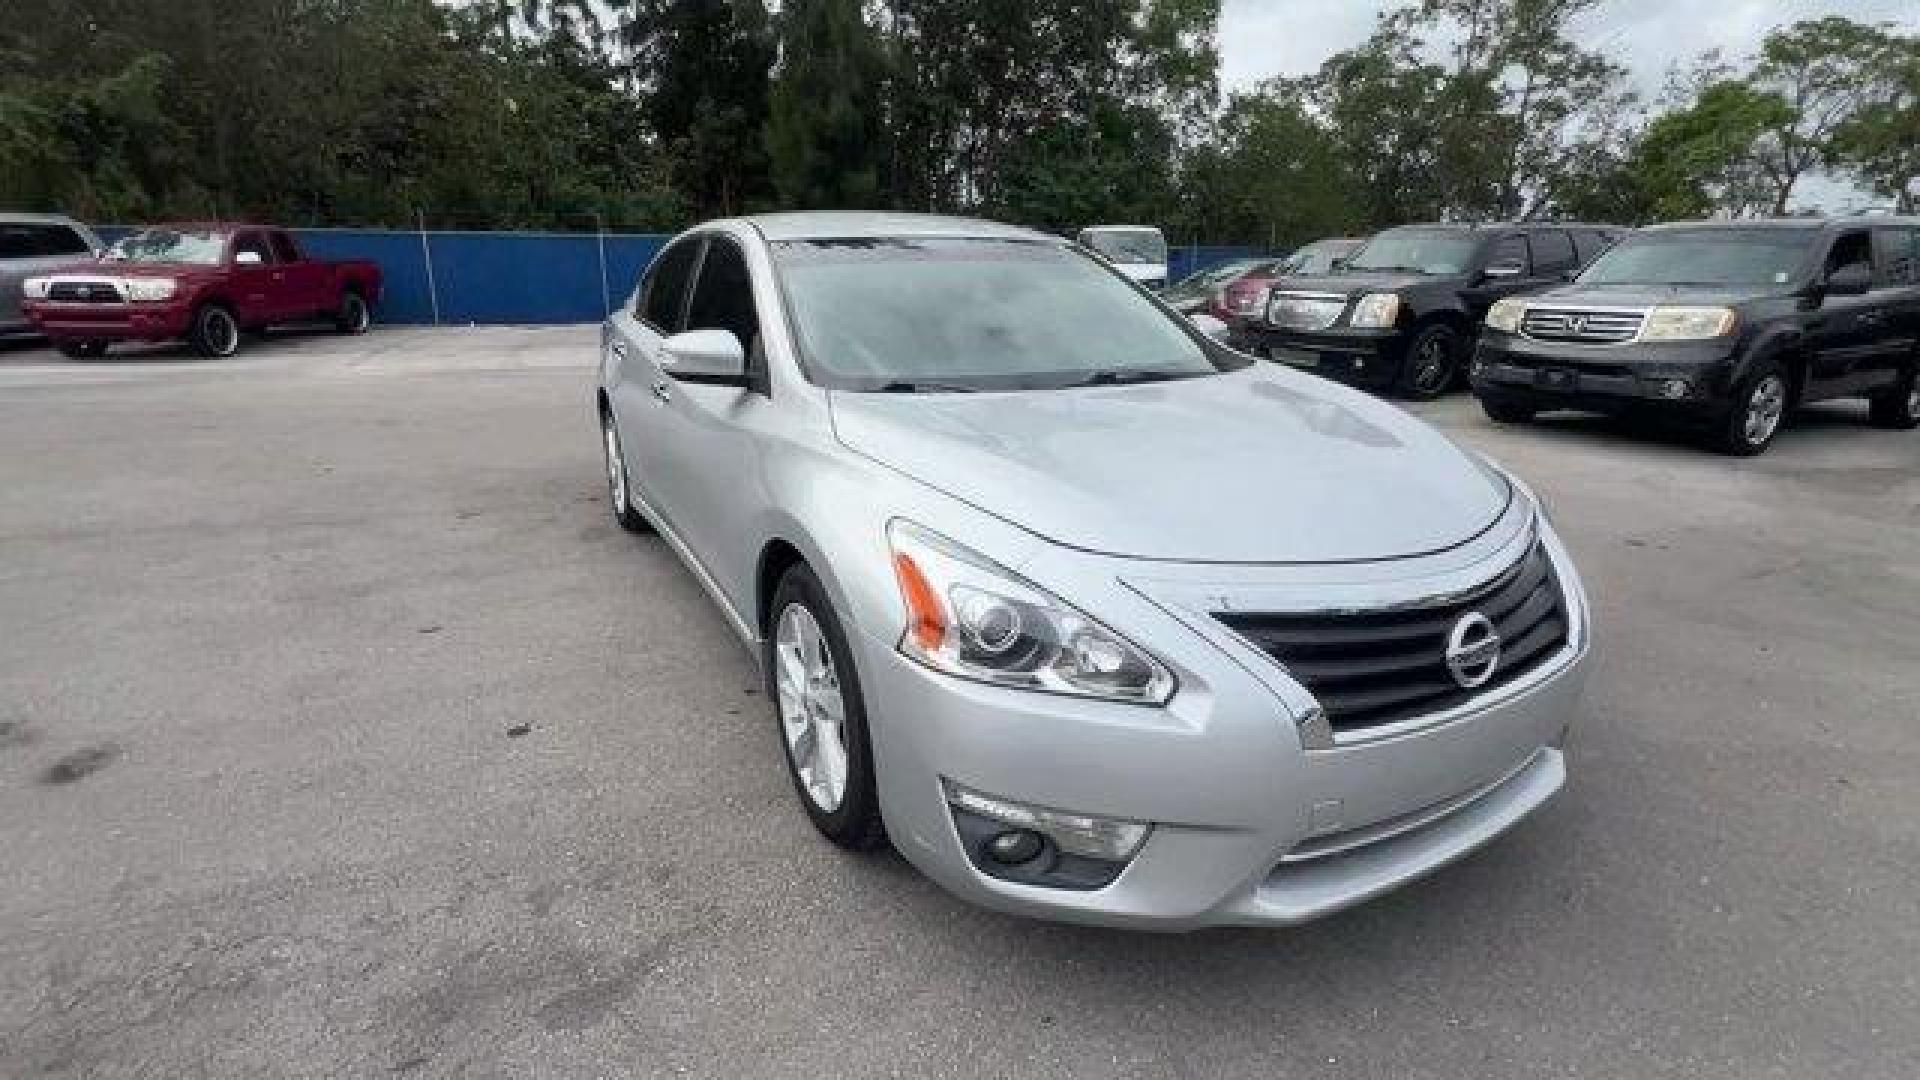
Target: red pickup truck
204,283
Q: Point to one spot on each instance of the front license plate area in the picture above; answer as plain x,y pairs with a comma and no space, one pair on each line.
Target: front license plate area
1558,379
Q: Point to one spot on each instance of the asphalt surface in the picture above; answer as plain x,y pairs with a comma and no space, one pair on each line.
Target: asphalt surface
342,734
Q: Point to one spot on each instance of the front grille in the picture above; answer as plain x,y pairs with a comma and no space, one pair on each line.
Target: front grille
1593,327
1304,311
1368,668
84,292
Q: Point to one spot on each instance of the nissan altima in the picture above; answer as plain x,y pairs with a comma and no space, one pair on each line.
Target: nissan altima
1089,616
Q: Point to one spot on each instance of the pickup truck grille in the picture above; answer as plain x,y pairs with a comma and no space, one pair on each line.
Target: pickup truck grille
84,292
1593,327
1304,311
1369,668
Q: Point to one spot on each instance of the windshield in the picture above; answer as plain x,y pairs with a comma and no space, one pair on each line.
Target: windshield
1127,245
942,314
1316,258
1418,251
167,246
1704,257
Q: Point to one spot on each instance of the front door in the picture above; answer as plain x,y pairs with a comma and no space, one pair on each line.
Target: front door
1843,331
255,292
1507,271
637,386
303,283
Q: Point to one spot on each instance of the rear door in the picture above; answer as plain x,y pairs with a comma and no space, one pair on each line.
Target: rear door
637,386
1894,318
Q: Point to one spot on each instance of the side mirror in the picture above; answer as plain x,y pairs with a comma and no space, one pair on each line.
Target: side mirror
1853,279
711,357
246,258
1503,271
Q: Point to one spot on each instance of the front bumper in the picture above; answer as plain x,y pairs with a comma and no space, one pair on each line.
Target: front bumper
1367,358
109,322
1606,378
1255,822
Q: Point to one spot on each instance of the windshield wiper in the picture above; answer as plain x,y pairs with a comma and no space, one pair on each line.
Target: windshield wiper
905,386
1384,269
1129,376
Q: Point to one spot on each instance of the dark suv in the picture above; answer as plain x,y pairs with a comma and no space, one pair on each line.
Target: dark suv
1729,324
1403,312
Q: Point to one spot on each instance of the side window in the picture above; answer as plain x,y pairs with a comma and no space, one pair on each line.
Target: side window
283,248
1510,251
1893,257
1848,248
253,244
16,242
56,240
723,297
663,293
1552,252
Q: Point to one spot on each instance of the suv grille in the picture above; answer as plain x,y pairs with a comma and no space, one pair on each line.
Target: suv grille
1368,668
1601,327
1304,311
83,292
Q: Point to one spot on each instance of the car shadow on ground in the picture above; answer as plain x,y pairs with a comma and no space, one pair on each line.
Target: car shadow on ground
26,349
1823,419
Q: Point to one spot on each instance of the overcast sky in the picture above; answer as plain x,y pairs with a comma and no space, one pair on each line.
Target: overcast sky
1263,38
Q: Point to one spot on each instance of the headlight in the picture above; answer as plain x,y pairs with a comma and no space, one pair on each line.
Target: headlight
969,617
1375,311
151,289
1686,323
1504,315
35,288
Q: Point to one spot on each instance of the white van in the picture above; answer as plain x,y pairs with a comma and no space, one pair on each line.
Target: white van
1140,251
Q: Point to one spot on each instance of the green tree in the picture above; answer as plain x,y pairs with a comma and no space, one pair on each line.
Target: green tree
1880,143
703,69
1822,69
825,140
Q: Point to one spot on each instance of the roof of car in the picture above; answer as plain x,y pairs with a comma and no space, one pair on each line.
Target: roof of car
1492,226
12,218
1802,224
816,225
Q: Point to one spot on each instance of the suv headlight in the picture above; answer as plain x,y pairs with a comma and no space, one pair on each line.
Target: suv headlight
1504,315
967,616
1687,323
151,290
35,288
1375,311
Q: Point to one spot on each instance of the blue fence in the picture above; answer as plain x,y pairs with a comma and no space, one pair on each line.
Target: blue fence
527,277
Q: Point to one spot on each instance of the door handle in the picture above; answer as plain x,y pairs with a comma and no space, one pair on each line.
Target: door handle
661,391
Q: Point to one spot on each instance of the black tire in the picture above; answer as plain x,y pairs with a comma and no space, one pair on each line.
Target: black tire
1501,411
215,332
1431,363
354,316
1741,434
82,350
1898,409
619,494
855,824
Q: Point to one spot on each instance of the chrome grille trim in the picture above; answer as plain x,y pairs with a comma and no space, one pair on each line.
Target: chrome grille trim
1586,325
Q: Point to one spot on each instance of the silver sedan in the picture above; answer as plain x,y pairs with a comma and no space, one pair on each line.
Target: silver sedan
1090,616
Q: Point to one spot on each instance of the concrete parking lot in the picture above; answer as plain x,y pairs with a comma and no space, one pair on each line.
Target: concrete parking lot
342,734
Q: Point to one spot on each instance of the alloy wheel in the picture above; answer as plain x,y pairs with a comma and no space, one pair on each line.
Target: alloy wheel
616,466
1765,406
813,712
222,333
1431,365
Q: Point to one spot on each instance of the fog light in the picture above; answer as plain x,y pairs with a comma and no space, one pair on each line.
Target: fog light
1107,839
1675,388
1015,846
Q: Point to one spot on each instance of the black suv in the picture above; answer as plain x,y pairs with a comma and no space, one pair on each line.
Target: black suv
1730,324
1403,312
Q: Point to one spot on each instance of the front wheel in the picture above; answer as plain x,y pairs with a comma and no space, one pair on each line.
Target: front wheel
816,698
354,316
1899,408
1759,410
619,495
82,350
1433,356
215,333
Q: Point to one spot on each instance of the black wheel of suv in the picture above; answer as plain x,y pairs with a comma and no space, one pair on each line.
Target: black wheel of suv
822,717
619,495
354,316
1759,411
1433,356
215,332
82,350
1502,411
1899,408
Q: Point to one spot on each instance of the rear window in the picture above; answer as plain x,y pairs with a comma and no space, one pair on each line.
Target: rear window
1894,257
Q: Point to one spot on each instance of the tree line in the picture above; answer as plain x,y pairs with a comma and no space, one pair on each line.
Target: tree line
650,114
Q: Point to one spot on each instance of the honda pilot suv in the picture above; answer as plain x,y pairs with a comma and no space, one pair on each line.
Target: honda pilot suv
1729,325
1403,312
1091,616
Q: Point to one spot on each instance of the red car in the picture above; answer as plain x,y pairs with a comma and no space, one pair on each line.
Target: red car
202,283
1224,290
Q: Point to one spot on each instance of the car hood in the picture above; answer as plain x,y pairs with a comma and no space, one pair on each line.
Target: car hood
1261,465
1638,295
1350,284
108,268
